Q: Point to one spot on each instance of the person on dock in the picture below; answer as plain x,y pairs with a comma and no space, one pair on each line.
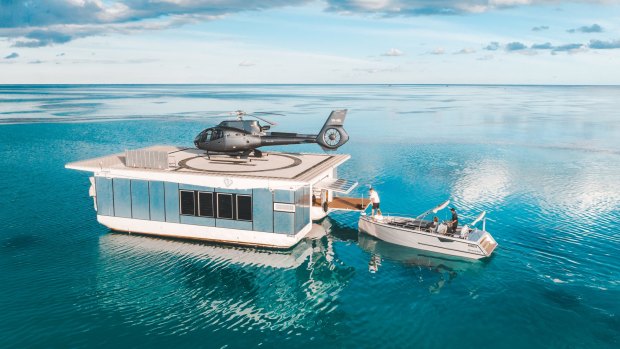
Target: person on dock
454,222
374,199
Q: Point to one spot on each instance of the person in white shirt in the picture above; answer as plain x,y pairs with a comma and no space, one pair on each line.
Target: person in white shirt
374,199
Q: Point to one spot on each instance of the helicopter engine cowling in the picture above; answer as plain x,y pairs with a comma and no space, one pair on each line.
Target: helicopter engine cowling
333,135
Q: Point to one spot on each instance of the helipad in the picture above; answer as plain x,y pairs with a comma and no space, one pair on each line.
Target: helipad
276,165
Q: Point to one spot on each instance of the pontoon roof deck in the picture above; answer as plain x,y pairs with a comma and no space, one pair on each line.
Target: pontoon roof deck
171,161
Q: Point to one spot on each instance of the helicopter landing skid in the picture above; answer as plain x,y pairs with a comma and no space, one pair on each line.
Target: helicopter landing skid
241,155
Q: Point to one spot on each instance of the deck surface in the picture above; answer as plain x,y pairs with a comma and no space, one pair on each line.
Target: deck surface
346,203
277,165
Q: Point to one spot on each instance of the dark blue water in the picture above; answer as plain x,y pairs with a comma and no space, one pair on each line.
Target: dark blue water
544,162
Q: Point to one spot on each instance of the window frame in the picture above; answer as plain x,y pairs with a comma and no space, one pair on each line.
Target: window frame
199,211
237,208
232,204
193,192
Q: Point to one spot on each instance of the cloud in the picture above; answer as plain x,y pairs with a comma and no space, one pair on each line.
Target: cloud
393,52
438,51
570,48
52,22
492,46
47,22
430,7
594,28
545,46
604,45
247,64
38,38
515,46
540,28
465,51
12,55
485,58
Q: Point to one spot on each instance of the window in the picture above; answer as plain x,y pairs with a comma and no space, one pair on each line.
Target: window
224,206
188,204
244,207
215,205
205,204
217,134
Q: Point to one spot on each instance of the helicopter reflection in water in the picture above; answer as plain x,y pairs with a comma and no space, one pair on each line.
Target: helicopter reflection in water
446,268
214,286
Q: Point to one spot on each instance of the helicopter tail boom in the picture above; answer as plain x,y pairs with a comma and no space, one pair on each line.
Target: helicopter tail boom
333,135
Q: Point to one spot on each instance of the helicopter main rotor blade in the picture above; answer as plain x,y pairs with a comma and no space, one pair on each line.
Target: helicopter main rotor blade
263,119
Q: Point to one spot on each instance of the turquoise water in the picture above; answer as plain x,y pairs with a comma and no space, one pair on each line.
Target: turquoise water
542,161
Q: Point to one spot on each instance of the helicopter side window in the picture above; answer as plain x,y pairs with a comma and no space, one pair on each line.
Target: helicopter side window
217,134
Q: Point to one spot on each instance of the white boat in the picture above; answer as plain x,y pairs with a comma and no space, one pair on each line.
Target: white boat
467,242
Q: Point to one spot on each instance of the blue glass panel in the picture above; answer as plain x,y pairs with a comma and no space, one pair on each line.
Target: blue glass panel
157,201
140,199
183,186
233,224
105,204
262,210
194,220
283,222
233,191
172,202
302,208
285,196
122,197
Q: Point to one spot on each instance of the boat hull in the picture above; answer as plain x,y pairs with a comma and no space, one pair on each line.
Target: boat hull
196,232
424,240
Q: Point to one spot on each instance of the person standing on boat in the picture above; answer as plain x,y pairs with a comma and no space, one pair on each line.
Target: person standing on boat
434,225
374,199
454,222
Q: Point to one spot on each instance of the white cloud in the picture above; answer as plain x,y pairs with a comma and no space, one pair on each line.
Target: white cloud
247,63
53,22
465,51
393,52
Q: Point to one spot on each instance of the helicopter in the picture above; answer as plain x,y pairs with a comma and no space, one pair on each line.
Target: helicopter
241,137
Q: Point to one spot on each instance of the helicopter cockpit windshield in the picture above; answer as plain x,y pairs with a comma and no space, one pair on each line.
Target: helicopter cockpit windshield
204,136
208,135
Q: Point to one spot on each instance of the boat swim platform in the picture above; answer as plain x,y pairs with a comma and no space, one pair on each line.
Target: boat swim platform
298,167
342,203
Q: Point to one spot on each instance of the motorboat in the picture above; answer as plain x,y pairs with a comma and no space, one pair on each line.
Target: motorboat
466,241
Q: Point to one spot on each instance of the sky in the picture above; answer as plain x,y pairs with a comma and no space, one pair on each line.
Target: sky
308,42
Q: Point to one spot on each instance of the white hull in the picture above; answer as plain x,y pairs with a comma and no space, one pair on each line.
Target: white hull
197,232
317,213
454,246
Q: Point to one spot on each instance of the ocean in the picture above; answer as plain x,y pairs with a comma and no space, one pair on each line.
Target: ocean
543,161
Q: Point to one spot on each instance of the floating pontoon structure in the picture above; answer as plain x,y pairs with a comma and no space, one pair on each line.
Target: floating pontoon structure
178,192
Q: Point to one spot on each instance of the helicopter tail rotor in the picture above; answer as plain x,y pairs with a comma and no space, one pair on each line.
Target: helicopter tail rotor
333,135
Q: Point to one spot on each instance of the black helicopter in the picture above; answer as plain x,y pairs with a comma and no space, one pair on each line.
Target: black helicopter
242,137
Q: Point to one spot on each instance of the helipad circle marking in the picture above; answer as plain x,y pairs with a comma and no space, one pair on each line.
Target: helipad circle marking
184,164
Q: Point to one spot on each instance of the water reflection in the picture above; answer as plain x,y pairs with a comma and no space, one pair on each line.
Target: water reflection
431,269
203,286
482,183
